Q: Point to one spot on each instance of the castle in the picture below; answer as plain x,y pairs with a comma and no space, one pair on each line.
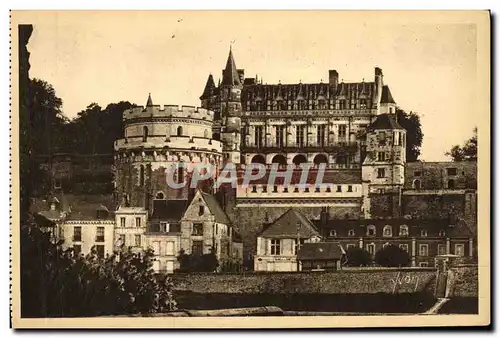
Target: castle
351,128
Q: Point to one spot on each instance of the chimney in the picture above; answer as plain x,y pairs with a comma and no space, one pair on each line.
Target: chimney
333,76
379,77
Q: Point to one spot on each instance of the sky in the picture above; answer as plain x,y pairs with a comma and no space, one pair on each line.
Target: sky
104,57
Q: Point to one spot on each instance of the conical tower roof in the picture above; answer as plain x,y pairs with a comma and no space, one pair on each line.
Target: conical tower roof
230,75
150,101
209,87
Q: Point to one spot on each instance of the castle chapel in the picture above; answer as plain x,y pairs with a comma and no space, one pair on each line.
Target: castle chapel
351,128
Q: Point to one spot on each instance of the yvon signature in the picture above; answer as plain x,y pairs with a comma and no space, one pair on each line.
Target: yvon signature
404,279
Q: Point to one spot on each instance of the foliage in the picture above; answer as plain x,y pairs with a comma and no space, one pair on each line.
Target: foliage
414,136
357,256
57,282
467,152
392,256
201,263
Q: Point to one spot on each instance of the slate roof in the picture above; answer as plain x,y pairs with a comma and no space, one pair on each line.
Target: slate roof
230,76
215,208
149,103
385,121
285,226
386,95
209,87
320,251
169,210
415,226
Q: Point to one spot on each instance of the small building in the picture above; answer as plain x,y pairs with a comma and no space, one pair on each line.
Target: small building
205,228
130,227
163,233
279,241
320,256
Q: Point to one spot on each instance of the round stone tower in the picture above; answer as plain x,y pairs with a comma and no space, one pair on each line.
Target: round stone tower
160,149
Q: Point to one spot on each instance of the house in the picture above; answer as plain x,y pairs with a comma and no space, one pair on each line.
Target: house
320,256
163,233
130,226
423,239
83,231
279,241
205,228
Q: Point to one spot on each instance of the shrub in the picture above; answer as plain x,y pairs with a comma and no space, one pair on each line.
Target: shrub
58,283
392,256
357,256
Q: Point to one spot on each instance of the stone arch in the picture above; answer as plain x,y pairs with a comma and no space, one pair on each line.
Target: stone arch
320,158
258,159
280,159
160,195
298,159
417,184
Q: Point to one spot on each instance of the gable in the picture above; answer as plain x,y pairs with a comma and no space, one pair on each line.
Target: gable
290,225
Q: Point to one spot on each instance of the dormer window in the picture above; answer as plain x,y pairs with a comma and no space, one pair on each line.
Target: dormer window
387,231
403,230
333,233
350,233
423,233
371,230
442,233
321,104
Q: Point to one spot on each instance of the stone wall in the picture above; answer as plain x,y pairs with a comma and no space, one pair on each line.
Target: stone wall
433,206
366,281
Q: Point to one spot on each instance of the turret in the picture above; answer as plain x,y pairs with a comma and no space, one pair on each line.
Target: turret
383,167
208,93
387,103
230,96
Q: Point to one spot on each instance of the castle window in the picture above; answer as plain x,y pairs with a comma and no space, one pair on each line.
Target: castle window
201,210
349,188
387,232
321,104
417,173
280,136
423,250
258,136
296,189
285,189
137,222
451,184
197,229
363,103
342,104
403,230
350,233
275,188
145,132
380,172
442,233
416,184
451,171
301,104
371,230
300,135
404,247
333,233
160,195
423,233
179,131
122,222
317,189
180,174
321,135
381,156
264,188
342,130
141,176
254,188
381,138
306,190
328,189
339,188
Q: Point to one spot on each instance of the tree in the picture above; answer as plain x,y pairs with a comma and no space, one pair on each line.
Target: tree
357,256
198,263
55,282
468,152
392,256
414,136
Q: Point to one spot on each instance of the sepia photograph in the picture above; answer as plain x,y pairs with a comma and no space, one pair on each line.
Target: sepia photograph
250,169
